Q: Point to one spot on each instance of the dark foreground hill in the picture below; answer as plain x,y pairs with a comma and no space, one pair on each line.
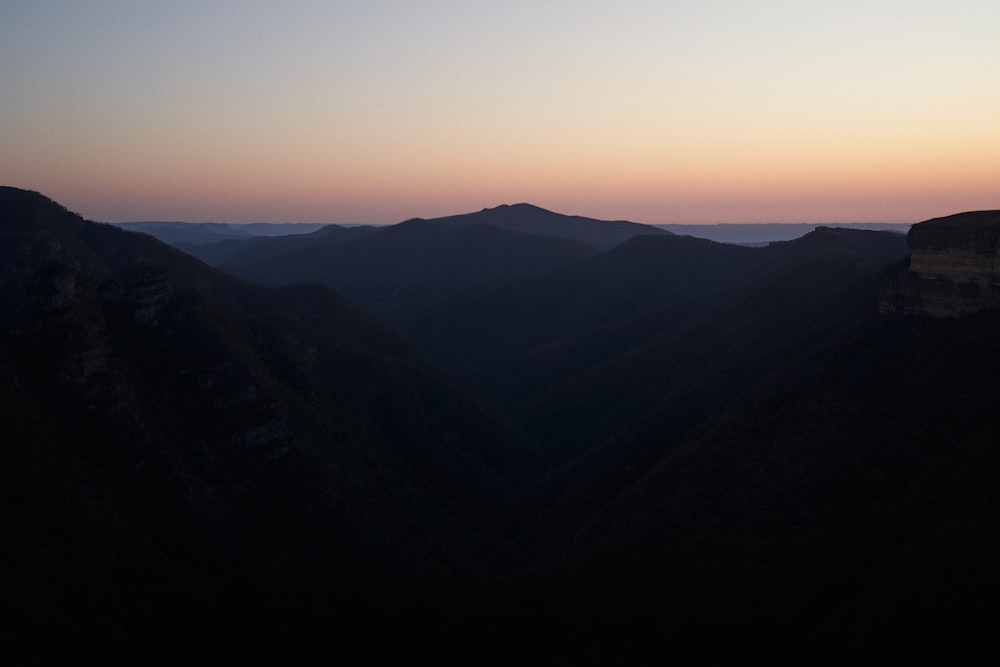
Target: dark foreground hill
842,511
733,457
35,230
179,475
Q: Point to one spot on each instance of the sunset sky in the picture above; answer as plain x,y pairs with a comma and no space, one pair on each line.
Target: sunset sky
377,111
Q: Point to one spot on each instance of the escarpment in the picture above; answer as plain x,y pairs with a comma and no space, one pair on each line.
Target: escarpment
954,268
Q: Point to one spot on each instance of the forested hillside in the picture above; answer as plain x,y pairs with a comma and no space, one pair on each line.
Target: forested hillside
499,447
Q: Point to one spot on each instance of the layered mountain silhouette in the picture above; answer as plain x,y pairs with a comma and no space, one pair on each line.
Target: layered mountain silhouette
204,233
579,354
761,234
395,269
536,449
529,219
185,453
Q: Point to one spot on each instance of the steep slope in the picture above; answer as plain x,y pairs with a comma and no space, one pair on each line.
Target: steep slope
745,461
831,499
34,230
844,509
576,355
235,483
954,269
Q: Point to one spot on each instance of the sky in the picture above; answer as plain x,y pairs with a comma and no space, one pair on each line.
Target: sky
368,112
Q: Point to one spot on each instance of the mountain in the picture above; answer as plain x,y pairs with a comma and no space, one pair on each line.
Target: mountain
577,354
758,234
529,219
232,479
818,498
954,269
842,507
398,269
34,230
262,249
406,266
202,233
668,450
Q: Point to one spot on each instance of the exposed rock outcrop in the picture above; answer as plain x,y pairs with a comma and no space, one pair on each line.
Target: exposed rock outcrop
62,330
954,268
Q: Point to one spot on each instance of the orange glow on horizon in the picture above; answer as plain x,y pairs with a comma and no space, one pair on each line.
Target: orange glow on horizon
659,113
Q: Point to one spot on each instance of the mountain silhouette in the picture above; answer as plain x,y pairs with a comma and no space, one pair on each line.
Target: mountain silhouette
204,233
529,219
203,462
264,248
668,449
35,230
579,353
406,266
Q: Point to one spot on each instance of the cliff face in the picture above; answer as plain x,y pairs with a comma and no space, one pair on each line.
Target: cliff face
954,268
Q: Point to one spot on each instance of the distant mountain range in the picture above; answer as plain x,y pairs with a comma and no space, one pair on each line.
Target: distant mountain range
390,269
524,218
467,441
756,234
198,233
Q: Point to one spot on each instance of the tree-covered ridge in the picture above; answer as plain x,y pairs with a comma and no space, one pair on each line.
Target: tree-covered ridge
673,448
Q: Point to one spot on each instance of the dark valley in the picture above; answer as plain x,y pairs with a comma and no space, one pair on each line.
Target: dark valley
504,437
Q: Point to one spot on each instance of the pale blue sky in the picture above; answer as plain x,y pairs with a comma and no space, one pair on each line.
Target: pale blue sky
378,111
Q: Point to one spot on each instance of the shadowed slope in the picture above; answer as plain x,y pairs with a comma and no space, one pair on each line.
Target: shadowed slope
579,353
34,230
174,469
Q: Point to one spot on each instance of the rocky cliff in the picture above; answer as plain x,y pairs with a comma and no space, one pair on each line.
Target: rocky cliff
954,268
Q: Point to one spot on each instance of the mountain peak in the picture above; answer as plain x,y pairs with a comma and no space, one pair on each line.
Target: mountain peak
15,202
519,207
537,221
9,193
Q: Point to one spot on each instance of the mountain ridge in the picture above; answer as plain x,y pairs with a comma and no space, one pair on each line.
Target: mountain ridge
531,219
35,229
397,268
704,451
231,477
201,233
